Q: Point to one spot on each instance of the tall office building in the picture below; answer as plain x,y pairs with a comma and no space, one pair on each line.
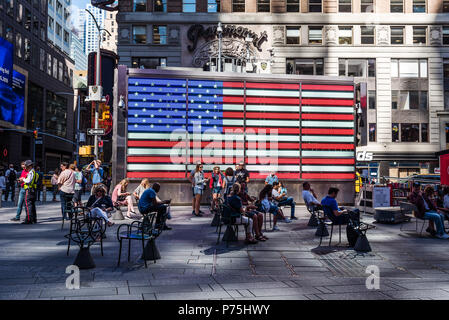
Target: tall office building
77,53
90,28
58,26
400,48
110,24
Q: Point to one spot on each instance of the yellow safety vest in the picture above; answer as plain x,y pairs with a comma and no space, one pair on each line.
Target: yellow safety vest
32,184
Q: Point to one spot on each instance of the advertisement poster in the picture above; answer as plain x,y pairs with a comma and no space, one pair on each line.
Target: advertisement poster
12,87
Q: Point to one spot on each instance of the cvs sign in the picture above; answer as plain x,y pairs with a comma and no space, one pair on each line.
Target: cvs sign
364,156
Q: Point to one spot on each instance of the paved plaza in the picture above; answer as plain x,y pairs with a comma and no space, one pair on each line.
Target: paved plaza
288,266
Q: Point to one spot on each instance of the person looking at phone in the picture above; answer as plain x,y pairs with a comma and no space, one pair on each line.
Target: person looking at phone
149,202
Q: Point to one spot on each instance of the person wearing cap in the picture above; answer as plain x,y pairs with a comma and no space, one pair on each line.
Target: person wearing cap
427,211
21,201
242,176
30,185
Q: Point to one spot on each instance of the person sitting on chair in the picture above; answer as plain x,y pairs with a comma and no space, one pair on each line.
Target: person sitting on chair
149,202
235,203
121,197
334,213
282,200
267,205
99,205
249,203
144,185
309,196
428,211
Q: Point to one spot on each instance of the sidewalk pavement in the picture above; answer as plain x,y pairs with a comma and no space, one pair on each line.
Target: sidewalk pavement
288,266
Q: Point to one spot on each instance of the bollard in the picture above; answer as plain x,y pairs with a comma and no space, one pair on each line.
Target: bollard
16,195
44,194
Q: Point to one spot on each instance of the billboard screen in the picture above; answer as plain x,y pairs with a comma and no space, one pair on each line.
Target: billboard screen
12,87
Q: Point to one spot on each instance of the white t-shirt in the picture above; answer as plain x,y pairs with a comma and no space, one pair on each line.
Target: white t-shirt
308,197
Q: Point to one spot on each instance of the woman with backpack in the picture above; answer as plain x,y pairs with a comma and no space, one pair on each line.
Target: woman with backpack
228,181
199,183
216,185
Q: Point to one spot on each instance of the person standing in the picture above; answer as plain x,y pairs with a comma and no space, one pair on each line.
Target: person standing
192,181
30,185
66,184
54,183
216,184
20,203
199,183
97,173
78,186
11,177
242,176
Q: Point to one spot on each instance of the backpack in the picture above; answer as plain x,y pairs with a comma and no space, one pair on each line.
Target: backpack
12,176
229,184
39,179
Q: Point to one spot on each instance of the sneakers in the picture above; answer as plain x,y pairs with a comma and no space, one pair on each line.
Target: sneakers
293,218
276,228
443,236
14,219
287,220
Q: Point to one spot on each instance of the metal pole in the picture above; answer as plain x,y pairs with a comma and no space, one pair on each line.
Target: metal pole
97,82
219,47
78,128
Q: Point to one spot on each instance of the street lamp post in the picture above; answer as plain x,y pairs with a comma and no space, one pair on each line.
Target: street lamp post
97,78
220,34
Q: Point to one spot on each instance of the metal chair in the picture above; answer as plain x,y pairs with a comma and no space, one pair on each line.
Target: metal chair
313,221
85,231
409,210
69,208
232,231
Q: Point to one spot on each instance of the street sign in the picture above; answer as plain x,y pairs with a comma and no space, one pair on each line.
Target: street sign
38,141
95,132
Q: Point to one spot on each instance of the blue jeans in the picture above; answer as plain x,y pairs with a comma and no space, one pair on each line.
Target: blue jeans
65,198
438,219
288,202
20,202
273,209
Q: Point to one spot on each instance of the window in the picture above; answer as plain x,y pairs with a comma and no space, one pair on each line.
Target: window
27,19
141,5
139,34
367,34
49,64
59,8
56,115
315,35
10,7
293,6
35,25
419,35
188,5
395,132
66,37
372,132
345,35
366,6
445,34
357,67
66,15
238,5
159,34
419,6
409,132
42,59
345,5
9,34
409,100
397,6
305,66
424,132
36,4
293,35
397,35
27,50
371,99
18,45
446,7
51,23
58,29
43,6
148,63
55,68
19,14
263,5
43,32
409,68
213,5
315,6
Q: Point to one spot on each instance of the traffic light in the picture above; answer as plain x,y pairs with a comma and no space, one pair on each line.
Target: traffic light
100,143
35,133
